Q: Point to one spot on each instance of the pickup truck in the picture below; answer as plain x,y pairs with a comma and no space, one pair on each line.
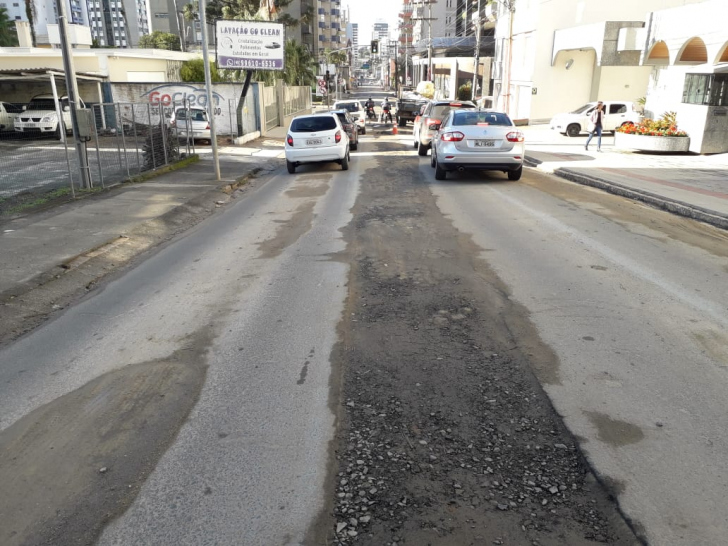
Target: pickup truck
408,108
8,113
40,116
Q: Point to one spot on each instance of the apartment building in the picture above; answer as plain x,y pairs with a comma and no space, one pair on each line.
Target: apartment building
330,32
118,23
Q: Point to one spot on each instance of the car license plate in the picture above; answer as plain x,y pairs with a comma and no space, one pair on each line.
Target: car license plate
313,141
488,143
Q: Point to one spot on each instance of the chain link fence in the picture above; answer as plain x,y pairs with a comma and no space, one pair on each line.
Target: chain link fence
121,141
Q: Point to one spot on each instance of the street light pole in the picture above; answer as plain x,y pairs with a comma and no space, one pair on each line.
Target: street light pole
208,88
73,96
478,25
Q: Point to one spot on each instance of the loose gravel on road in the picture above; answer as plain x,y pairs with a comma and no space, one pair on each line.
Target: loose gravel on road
446,436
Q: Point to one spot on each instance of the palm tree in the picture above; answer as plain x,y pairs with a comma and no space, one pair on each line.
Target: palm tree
8,37
300,66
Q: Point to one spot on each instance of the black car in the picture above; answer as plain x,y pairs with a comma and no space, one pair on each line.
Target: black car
349,126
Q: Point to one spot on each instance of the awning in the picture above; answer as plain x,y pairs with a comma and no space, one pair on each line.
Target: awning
43,74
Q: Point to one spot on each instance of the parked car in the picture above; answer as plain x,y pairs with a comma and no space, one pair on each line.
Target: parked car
316,138
356,111
40,116
432,114
479,140
616,114
192,123
408,107
349,125
8,114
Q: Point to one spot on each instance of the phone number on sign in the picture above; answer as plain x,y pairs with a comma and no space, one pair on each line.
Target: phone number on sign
251,63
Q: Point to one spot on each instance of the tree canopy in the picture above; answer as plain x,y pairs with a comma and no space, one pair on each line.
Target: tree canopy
160,40
8,36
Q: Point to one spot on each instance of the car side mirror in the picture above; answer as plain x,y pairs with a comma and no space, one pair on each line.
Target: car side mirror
66,108
435,126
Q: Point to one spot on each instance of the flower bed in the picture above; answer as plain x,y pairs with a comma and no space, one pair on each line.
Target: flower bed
650,135
650,143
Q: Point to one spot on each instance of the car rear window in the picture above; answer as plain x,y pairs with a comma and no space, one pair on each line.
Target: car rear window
440,111
342,117
313,124
195,114
349,106
475,118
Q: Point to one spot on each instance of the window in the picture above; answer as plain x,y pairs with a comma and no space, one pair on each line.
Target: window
706,89
313,124
15,4
617,108
480,118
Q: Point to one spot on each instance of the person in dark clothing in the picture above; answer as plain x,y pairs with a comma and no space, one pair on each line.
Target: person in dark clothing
597,122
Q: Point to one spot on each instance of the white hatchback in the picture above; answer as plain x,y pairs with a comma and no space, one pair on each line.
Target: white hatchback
356,111
316,138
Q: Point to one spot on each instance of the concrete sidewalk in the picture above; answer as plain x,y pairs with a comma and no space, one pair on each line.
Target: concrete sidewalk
40,244
691,185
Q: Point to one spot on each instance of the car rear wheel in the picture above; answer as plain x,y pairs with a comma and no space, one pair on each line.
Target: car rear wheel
402,122
416,142
291,167
440,173
573,130
515,175
355,146
345,162
432,159
421,148
363,130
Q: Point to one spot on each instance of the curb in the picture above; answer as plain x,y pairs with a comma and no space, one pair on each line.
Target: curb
26,305
658,201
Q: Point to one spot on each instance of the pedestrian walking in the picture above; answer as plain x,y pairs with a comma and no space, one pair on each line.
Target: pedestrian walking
595,126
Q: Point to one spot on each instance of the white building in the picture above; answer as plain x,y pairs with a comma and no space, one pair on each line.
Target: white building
434,19
565,53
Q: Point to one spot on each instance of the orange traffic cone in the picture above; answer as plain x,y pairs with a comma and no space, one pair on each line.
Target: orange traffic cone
395,130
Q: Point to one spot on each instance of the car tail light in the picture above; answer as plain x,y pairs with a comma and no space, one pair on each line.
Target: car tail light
431,121
289,140
515,136
337,136
456,136
456,104
208,127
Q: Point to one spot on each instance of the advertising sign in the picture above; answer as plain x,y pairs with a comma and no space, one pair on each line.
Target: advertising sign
249,45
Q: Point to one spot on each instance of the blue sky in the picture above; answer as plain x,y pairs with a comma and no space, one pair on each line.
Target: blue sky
366,12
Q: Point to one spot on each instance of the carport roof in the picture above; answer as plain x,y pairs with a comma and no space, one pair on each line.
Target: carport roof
42,74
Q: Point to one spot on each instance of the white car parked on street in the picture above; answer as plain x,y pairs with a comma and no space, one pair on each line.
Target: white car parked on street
616,114
318,138
482,140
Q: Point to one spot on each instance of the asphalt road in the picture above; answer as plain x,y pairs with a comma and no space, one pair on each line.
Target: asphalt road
225,389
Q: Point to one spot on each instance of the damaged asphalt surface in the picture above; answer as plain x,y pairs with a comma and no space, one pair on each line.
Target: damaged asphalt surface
447,436
362,358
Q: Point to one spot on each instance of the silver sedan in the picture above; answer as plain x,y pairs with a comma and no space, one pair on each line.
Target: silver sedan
477,140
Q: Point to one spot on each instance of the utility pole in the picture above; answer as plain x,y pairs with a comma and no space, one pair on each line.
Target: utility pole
429,20
208,88
429,42
478,26
511,7
73,96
